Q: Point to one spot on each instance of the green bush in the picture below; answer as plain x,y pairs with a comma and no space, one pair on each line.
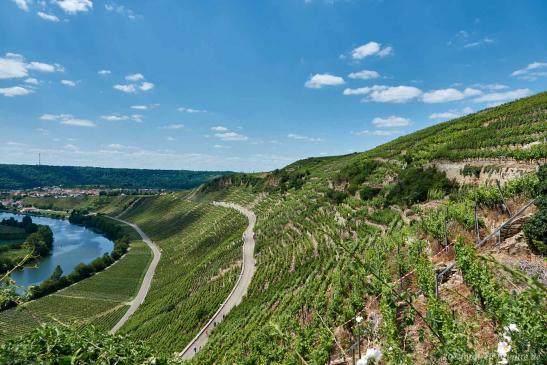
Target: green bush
414,184
535,228
60,344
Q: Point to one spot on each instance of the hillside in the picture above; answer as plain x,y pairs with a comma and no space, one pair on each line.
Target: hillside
368,250
32,176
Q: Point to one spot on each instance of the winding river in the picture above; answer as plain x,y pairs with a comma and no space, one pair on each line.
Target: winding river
72,244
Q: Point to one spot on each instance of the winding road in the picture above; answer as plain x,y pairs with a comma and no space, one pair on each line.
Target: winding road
146,282
240,288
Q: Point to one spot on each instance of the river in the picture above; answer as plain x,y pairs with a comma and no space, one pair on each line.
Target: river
72,244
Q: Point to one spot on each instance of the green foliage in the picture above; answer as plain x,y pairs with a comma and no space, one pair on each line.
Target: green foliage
525,309
32,176
60,344
535,228
414,183
470,170
367,193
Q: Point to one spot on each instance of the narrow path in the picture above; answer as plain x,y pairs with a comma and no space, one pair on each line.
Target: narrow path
146,282
240,288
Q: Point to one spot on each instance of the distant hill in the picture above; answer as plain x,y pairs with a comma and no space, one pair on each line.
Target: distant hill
32,176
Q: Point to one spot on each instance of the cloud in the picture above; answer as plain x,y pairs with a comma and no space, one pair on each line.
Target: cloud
68,83
317,81
502,97
48,17
121,118
74,6
190,110
390,122
358,91
451,114
22,4
386,94
145,86
135,77
32,81
225,134
45,67
219,129
104,72
378,132
170,139
231,136
491,87
304,138
482,42
68,119
122,10
370,49
13,65
173,126
144,107
447,95
127,88
364,75
531,72
15,91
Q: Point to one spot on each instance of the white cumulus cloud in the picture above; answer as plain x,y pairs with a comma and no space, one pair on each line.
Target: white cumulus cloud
370,49
15,91
74,6
304,138
317,81
531,72
135,77
145,86
68,83
104,72
451,114
502,97
364,75
447,95
68,119
22,4
390,122
127,88
392,94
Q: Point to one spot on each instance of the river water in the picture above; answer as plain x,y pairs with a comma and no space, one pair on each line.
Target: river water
72,244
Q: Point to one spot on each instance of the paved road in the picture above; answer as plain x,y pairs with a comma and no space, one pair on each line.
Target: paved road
240,289
146,282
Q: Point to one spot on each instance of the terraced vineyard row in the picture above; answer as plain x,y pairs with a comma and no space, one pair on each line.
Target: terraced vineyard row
321,265
201,253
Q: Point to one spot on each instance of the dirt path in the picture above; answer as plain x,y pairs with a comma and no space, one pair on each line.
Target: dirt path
240,288
146,282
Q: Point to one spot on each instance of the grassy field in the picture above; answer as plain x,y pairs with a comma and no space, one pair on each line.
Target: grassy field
100,300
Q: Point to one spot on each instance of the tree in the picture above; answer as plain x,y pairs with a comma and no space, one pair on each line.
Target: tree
57,273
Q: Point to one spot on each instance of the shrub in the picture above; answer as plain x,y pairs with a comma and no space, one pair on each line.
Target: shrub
414,184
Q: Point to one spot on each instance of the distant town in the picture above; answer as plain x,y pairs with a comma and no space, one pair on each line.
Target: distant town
15,200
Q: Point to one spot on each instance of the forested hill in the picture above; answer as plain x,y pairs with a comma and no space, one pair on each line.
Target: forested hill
31,176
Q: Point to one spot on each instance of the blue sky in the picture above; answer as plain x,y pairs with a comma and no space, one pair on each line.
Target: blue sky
251,85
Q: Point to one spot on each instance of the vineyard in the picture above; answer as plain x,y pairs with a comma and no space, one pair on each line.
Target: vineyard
375,253
100,300
201,253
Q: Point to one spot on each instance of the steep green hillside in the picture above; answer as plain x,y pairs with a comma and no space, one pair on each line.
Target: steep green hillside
348,248
32,176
